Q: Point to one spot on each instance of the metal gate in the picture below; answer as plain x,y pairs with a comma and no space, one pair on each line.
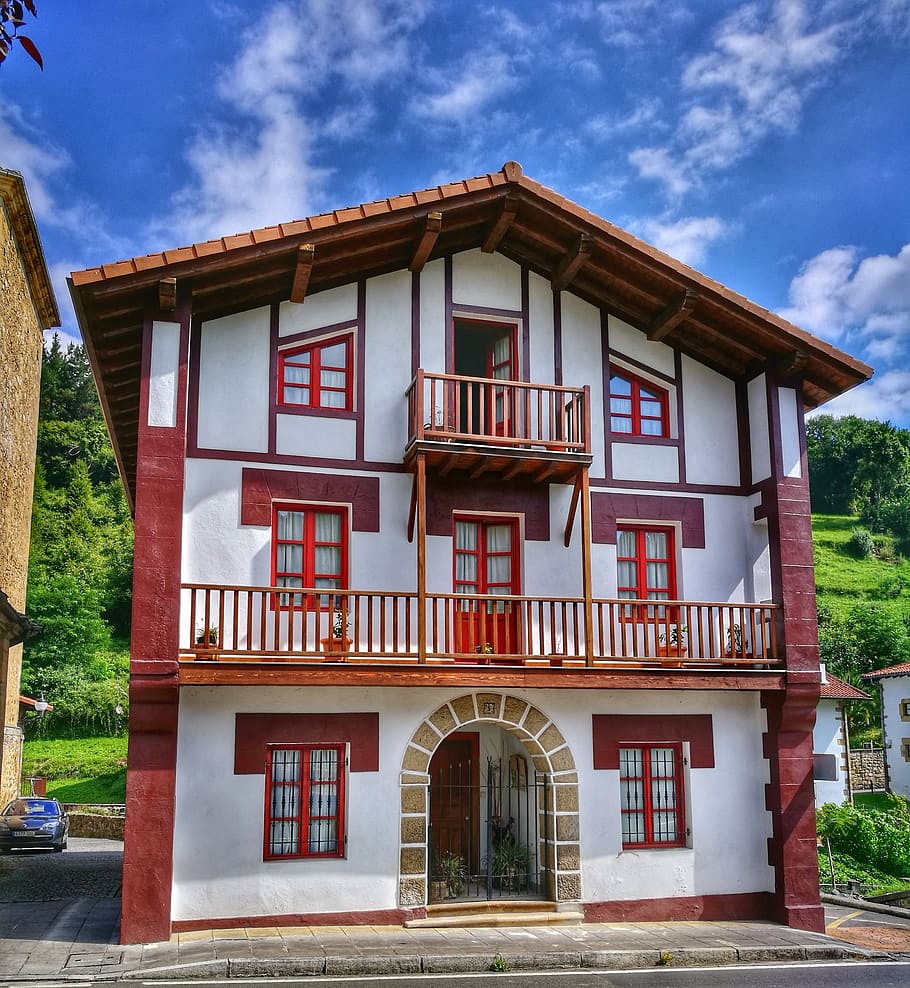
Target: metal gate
498,843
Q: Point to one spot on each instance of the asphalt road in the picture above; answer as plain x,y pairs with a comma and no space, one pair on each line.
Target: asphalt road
88,868
826,975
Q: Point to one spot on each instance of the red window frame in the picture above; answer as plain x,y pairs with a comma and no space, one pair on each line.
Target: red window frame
639,412
641,559
308,574
289,803
481,585
652,801
316,366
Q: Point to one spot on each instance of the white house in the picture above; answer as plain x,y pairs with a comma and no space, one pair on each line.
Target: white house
550,487
831,739
895,686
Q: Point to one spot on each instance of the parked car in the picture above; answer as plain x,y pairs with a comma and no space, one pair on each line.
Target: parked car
32,822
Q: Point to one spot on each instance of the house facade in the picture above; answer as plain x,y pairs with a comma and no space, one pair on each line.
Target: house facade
831,734
894,682
28,308
473,564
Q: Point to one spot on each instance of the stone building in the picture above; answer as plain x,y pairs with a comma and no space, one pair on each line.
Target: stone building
28,309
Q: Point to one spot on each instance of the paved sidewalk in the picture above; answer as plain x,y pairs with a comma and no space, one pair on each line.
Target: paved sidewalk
76,939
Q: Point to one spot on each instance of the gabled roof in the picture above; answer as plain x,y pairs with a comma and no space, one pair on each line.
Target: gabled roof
836,689
14,198
504,211
901,669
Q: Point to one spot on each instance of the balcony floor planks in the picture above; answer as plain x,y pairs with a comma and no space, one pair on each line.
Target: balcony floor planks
307,673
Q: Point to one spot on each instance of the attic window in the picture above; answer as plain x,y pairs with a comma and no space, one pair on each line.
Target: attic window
637,407
318,375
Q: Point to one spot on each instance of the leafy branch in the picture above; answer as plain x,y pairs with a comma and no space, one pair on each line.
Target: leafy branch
12,17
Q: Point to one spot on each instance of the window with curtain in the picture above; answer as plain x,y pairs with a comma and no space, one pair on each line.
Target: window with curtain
318,375
309,550
304,801
645,563
637,407
485,557
651,796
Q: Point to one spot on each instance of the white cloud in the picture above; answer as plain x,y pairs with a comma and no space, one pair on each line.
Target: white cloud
27,151
836,294
753,83
686,239
629,23
606,125
259,168
886,396
459,96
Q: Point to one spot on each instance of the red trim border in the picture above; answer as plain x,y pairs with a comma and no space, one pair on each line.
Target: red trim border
610,731
725,907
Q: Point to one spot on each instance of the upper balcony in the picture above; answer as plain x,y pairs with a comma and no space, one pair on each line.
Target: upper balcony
273,624
501,427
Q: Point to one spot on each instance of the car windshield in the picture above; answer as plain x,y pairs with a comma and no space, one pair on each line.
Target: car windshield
31,807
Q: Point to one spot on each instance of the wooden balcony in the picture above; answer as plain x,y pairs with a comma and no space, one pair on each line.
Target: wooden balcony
505,428
271,624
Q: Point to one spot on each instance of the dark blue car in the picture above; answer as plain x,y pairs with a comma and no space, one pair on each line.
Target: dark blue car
31,822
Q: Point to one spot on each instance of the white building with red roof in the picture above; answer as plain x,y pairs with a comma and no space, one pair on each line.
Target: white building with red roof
894,682
831,740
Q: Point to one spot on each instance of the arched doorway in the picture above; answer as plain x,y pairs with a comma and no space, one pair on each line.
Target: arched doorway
500,762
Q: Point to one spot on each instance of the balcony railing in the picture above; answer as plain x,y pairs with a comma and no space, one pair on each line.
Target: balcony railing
455,408
279,624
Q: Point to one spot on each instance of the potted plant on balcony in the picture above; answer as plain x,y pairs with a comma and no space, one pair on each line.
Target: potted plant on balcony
672,643
338,640
206,646
737,645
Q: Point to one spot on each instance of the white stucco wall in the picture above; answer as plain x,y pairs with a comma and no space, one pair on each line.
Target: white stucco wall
897,732
709,411
789,432
485,279
643,461
218,866
163,371
582,362
759,429
233,382
633,342
317,310
827,738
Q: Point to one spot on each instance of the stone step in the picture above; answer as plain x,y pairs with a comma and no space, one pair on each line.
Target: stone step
494,913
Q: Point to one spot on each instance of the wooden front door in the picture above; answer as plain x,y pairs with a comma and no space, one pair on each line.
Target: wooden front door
486,562
453,799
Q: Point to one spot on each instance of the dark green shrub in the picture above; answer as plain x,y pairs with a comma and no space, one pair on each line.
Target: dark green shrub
860,544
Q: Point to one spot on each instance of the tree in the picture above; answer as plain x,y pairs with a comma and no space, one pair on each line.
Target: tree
12,17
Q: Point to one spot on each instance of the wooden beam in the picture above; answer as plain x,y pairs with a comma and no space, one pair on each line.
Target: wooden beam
427,242
547,470
787,364
661,325
586,579
421,508
573,261
573,507
501,225
305,255
412,511
482,467
513,471
167,294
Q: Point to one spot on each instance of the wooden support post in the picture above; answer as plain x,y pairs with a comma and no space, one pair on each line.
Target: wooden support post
305,255
427,241
573,507
587,585
572,262
167,294
670,317
412,511
501,227
421,558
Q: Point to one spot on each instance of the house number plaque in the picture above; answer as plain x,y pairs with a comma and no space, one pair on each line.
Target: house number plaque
489,707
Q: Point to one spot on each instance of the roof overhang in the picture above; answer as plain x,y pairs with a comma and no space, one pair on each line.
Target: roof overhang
503,211
22,220
15,627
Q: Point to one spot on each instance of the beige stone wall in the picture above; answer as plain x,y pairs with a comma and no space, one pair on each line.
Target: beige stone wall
20,359
11,764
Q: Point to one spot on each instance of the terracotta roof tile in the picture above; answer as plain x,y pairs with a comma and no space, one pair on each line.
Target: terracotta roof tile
901,669
375,208
294,227
837,689
266,233
88,276
147,262
117,268
209,247
322,221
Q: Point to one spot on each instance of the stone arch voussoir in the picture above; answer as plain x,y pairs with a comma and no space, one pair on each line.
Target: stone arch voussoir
547,750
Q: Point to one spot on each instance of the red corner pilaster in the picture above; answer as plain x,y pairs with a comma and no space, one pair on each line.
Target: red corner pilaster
790,794
152,759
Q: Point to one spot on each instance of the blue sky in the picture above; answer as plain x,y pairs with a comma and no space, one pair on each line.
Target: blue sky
766,143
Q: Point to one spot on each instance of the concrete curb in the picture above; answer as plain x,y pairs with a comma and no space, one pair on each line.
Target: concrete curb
865,905
611,960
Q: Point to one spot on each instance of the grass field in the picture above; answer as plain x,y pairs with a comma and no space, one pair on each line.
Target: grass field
80,770
843,580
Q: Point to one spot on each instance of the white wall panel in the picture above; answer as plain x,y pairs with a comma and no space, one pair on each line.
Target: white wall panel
633,342
789,432
433,317
712,442
316,435
234,386
485,279
640,461
388,366
165,364
582,363
322,309
759,429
